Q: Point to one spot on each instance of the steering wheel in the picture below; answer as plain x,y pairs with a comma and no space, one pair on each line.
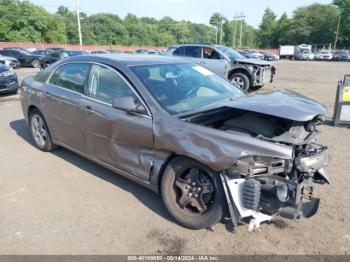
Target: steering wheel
192,92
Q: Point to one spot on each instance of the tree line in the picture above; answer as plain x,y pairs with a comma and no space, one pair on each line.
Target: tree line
22,21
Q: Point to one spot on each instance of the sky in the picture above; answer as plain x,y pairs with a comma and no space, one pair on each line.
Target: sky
198,11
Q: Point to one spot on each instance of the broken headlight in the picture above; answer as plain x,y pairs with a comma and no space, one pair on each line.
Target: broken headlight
260,165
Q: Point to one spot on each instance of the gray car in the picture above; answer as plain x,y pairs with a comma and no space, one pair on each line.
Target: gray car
244,72
175,127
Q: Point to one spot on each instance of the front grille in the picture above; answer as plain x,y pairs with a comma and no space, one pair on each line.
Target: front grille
267,76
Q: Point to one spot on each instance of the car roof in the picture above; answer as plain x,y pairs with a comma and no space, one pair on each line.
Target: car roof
129,59
180,45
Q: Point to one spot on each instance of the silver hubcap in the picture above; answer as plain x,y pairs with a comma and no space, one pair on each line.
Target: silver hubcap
39,131
36,63
238,81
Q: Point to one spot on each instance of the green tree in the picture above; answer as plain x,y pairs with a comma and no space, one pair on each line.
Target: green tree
314,24
343,7
281,35
267,29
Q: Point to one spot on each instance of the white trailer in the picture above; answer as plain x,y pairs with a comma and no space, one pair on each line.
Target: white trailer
287,51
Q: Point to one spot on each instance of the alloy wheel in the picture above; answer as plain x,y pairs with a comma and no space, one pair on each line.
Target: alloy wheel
39,131
195,191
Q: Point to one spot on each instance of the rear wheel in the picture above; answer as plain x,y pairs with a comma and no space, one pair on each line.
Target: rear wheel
240,80
192,193
40,132
36,63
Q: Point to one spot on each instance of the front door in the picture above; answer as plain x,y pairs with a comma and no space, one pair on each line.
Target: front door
213,61
115,137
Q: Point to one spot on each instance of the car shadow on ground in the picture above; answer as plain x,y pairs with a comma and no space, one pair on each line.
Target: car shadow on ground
145,196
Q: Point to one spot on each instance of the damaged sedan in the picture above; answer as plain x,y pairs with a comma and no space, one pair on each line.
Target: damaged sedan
206,147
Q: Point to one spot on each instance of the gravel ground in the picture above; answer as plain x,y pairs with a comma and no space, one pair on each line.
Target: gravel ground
60,203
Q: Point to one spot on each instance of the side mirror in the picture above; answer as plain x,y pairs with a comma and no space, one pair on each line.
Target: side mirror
129,104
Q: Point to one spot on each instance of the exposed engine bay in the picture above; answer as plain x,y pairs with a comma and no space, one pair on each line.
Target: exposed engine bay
265,185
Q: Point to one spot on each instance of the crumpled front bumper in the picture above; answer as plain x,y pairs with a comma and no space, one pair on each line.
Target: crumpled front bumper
262,197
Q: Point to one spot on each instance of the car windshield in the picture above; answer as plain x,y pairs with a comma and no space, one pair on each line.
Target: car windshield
232,54
181,88
344,52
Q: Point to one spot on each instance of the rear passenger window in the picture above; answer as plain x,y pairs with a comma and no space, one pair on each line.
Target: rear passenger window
193,51
179,51
71,76
105,84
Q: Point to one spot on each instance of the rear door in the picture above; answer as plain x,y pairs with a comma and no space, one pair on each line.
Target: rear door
118,138
61,102
193,53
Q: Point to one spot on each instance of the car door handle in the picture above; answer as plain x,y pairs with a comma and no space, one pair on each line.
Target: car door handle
48,95
89,110
203,63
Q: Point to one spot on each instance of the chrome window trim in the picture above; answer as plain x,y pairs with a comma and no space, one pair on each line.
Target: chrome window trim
149,115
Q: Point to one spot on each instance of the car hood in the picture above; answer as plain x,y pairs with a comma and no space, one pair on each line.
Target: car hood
253,61
285,104
7,58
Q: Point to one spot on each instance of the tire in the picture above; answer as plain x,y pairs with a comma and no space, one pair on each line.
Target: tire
211,195
241,80
40,132
36,63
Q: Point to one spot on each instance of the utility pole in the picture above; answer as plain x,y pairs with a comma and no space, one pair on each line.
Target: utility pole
234,40
336,34
221,29
238,18
240,36
79,26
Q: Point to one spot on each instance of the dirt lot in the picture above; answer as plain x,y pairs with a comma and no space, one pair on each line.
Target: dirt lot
60,203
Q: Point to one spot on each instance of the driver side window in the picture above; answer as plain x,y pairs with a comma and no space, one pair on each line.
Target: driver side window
106,85
210,53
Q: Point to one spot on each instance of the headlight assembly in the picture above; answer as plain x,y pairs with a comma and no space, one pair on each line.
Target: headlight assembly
7,73
260,165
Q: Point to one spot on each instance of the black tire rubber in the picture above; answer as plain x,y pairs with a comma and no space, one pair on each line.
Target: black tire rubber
215,211
36,63
49,146
245,79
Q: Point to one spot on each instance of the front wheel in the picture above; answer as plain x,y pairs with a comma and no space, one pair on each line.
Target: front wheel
192,193
240,80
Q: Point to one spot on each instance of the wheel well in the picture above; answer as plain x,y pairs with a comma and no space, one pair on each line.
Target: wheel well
30,110
163,167
240,70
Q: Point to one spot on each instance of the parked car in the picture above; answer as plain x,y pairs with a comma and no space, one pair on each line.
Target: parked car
324,56
252,54
184,132
8,80
227,63
305,55
42,52
58,55
98,52
268,56
342,55
141,51
56,49
9,61
24,58
114,51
